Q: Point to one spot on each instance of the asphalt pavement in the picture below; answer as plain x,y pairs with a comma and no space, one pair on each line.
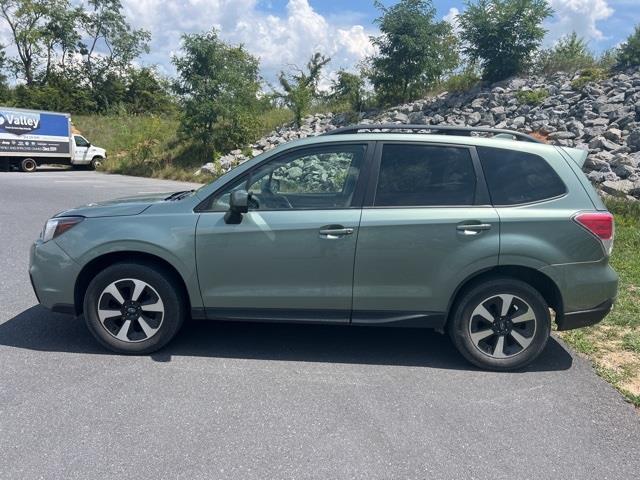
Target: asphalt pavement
252,401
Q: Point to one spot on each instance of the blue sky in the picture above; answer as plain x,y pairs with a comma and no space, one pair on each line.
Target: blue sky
287,32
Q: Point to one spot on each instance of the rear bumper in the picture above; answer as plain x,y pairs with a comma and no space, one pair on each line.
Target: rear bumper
584,318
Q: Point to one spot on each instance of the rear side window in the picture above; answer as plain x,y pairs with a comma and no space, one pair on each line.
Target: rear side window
424,175
515,177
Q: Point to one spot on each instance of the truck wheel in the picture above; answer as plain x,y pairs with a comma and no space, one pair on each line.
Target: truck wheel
95,163
28,165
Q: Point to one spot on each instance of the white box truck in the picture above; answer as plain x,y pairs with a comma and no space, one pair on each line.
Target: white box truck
29,138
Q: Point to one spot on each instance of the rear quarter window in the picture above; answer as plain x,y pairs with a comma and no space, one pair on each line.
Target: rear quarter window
517,177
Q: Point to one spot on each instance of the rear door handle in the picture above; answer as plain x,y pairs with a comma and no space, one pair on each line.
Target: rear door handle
335,231
473,228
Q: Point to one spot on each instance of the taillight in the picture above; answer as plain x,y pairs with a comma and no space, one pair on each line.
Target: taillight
599,224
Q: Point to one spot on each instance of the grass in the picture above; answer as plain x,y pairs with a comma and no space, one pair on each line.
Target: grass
149,146
614,344
532,97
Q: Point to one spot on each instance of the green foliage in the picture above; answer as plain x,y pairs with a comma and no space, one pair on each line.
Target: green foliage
219,85
414,51
588,75
608,59
349,88
462,81
629,54
502,35
301,87
532,97
570,54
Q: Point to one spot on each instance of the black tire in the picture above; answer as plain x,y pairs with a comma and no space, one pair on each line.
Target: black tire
483,353
28,165
162,284
95,163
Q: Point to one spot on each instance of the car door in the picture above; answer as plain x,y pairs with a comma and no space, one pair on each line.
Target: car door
81,149
426,226
291,257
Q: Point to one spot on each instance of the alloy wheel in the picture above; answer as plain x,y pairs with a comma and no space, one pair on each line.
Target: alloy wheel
502,326
130,310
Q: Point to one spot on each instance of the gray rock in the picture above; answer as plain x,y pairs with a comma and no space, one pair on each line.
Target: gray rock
633,141
613,134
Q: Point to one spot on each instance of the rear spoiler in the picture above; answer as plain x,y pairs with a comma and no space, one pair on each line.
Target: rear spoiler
577,155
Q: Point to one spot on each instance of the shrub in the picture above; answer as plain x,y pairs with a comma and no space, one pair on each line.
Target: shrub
532,97
503,34
588,75
570,54
629,55
463,81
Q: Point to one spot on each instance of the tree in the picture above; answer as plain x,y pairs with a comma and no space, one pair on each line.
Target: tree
349,87
502,35
109,45
629,54
568,55
414,50
37,26
146,92
300,87
218,84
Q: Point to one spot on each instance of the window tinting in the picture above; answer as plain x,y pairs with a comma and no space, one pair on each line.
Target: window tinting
413,175
515,177
319,178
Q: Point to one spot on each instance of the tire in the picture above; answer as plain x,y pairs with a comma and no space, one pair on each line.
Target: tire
28,165
95,163
153,320
492,339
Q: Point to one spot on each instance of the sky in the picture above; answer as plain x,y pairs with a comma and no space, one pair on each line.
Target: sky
287,32
282,33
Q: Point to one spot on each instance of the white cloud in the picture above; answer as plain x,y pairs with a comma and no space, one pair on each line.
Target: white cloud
279,41
452,18
580,16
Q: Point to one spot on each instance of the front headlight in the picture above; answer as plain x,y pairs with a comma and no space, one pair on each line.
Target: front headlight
58,225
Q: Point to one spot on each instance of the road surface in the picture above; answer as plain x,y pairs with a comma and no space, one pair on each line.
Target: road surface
250,401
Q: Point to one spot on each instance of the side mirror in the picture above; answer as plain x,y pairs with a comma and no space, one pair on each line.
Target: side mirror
238,204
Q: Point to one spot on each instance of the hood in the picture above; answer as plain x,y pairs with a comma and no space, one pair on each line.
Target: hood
116,208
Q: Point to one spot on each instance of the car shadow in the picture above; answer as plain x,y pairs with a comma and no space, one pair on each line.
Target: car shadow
39,329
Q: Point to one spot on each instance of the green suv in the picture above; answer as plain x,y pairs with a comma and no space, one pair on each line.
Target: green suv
486,234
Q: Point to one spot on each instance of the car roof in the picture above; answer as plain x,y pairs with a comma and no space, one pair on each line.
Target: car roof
460,140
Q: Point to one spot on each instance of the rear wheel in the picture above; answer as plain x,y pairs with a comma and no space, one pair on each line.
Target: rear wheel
28,165
502,324
133,308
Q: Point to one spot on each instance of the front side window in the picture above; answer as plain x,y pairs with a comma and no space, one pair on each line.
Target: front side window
80,141
516,177
425,175
318,178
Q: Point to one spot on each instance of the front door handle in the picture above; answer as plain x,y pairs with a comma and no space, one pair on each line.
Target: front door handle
335,231
473,228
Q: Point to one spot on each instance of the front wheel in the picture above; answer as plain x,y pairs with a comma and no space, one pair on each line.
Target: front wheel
95,163
133,308
501,324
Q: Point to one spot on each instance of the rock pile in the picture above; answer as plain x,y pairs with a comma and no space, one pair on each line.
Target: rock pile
602,117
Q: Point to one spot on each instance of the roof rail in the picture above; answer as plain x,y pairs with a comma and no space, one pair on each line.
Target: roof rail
433,129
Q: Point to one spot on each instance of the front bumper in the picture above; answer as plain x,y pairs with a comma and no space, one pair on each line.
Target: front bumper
584,318
53,275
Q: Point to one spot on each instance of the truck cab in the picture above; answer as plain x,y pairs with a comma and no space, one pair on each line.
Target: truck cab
85,154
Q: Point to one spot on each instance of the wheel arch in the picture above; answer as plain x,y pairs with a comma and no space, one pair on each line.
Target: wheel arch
103,261
538,280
